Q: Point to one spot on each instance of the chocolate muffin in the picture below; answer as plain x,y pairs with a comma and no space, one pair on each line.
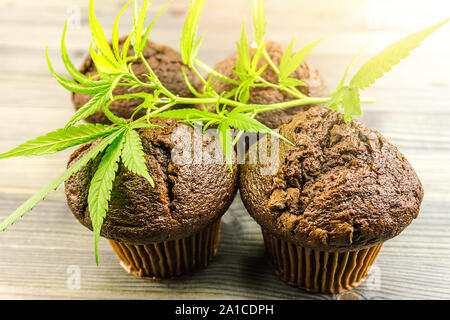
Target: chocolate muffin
339,192
165,62
173,228
266,95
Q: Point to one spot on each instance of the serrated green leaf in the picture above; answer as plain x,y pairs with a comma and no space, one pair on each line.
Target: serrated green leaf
73,86
31,203
289,63
351,104
92,106
101,187
292,82
99,36
336,99
133,156
352,62
390,56
245,122
104,65
144,125
77,75
115,34
190,29
189,114
243,62
60,139
126,46
226,141
259,21
139,20
150,27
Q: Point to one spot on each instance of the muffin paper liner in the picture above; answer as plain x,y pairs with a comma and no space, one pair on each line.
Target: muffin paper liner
170,259
319,271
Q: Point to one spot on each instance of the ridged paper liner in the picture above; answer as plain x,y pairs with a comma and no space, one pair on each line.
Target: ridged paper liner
170,259
319,271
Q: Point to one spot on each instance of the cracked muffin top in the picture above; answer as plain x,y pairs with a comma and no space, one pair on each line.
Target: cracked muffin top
306,72
187,197
339,187
164,61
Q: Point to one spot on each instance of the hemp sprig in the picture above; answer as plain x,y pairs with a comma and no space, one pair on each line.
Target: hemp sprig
121,141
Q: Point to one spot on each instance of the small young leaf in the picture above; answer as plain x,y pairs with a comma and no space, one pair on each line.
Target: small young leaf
126,46
336,98
190,29
31,203
139,20
289,63
244,122
243,62
73,86
150,27
259,21
390,56
77,75
115,35
101,187
351,104
133,155
60,139
104,65
98,35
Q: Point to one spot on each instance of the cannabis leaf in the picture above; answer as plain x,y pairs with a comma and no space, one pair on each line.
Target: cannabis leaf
101,186
390,56
246,122
92,106
133,155
259,21
77,75
60,139
31,203
139,20
99,37
115,34
188,44
243,60
351,103
289,63
149,28
374,68
73,86
190,114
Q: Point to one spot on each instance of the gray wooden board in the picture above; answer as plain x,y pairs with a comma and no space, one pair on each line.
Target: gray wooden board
412,111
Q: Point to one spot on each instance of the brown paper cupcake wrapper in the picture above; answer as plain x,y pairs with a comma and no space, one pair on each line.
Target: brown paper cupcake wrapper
170,259
319,271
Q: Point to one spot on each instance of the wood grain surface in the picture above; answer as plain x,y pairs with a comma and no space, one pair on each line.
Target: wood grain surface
412,110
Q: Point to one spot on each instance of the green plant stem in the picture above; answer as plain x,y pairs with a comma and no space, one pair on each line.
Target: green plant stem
270,61
158,83
218,75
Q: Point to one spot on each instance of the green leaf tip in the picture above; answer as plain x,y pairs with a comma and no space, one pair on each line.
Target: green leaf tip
259,21
188,43
375,67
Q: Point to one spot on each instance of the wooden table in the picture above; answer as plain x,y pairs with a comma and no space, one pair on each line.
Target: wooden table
38,254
